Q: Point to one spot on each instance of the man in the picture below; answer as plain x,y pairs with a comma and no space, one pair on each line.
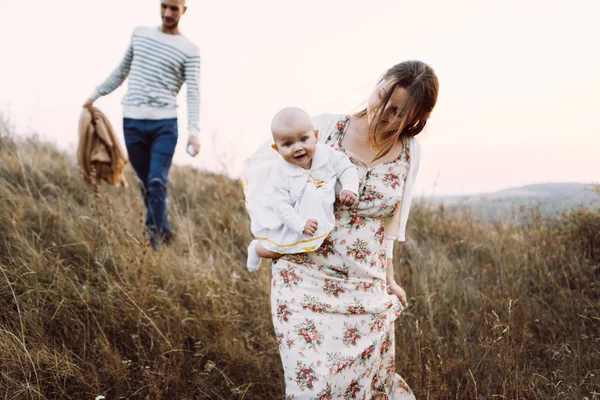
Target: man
157,62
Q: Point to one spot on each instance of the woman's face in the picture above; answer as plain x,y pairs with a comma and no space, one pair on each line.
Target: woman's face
391,109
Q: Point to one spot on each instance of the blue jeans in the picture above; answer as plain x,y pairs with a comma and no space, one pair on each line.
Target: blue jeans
151,145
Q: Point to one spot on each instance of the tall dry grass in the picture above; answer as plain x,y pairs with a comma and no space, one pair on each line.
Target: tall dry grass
497,311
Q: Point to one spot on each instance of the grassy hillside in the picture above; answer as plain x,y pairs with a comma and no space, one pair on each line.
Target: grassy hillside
86,310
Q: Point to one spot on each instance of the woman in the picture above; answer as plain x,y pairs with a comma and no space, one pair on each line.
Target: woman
334,308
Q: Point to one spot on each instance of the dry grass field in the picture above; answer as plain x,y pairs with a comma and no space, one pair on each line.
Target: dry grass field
498,311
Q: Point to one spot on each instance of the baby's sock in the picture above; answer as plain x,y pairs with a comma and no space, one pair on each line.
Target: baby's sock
253,259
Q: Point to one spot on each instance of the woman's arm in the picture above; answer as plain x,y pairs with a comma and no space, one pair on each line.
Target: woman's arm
391,232
395,227
407,191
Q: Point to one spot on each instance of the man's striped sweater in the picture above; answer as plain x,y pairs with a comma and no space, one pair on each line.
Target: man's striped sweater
157,64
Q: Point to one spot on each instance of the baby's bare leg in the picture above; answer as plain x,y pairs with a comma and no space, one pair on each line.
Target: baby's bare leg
264,253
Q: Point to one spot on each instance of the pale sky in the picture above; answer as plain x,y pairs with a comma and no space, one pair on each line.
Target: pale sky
519,80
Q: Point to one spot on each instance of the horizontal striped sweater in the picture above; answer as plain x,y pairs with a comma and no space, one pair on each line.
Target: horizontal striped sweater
157,64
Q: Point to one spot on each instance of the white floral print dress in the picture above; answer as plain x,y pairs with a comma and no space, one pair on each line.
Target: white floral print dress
333,317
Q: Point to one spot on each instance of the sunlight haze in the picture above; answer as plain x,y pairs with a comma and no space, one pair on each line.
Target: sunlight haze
519,80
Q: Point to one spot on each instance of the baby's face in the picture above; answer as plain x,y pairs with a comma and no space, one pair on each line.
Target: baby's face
297,145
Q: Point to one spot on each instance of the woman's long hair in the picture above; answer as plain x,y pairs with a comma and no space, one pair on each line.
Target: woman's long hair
409,118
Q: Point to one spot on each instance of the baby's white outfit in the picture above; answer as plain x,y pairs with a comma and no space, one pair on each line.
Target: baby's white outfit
281,197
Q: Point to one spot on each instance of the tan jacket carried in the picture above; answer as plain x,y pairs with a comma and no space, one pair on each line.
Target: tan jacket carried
99,154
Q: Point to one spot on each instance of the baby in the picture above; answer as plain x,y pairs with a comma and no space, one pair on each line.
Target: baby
290,197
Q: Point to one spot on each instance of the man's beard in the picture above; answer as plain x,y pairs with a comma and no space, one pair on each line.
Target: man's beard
170,25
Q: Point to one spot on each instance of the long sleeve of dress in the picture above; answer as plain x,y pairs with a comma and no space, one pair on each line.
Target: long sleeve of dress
345,171
391,225
415,158
277,197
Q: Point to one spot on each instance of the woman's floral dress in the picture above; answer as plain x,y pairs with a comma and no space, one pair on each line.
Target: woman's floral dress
332,314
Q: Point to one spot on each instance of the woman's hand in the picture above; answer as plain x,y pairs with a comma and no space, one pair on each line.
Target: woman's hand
396,290
347,198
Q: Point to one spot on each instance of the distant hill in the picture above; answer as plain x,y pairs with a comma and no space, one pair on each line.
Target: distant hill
549,198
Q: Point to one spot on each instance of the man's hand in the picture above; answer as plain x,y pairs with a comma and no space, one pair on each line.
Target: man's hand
311,227
347,198
89,105
195,144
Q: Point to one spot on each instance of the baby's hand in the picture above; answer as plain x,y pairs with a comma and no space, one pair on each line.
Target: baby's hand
347,198
311,227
